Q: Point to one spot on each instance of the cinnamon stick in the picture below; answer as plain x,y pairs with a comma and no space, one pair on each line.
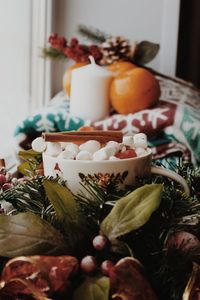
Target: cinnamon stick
83,136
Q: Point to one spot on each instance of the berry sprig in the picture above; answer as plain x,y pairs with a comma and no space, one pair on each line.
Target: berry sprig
73,49
57,42
6,180
90,264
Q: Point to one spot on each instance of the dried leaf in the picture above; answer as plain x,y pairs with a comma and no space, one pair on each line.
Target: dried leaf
132,211
28,234
192,290
93,289
18,288
48,274
145,52
128,282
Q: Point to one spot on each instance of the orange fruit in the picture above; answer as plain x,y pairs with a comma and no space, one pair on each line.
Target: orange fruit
119,67
134,90
68,74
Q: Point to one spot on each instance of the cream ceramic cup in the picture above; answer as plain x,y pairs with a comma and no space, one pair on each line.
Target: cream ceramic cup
135,167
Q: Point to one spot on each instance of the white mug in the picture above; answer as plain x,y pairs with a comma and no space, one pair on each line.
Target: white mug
135,167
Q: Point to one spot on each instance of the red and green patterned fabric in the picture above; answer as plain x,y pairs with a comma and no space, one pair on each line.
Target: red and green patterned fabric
173,126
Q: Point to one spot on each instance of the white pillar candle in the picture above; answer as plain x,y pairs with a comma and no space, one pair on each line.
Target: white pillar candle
90,92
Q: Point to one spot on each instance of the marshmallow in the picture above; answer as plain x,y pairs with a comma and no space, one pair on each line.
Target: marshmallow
128,140
39,145
123,148
72,147
53,149
140,151
84,155
114,145
110,151
90,146
63,145
100,155
67,154
113,158
140,140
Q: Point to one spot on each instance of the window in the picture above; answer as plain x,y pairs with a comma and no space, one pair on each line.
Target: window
24,74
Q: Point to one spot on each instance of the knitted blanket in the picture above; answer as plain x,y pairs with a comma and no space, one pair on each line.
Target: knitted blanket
173,126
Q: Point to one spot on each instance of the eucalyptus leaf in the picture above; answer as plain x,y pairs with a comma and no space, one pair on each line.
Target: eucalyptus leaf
132,211
93,289
62,200
28,234
146,51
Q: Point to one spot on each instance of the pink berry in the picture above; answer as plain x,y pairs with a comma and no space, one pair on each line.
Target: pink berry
99,242
88,264
7,186
106,266
2,179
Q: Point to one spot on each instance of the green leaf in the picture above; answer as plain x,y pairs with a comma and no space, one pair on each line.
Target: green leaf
52,53
70,220
132,211
121,248
29,154
32,161
146,51
27,234
25,169
62,200
93,289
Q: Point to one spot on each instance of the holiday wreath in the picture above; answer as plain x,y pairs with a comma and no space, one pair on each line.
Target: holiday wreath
139,243
103,243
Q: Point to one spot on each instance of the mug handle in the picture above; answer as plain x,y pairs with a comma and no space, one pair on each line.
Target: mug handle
172,175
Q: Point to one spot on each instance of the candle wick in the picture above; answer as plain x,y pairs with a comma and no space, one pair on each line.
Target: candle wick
92,61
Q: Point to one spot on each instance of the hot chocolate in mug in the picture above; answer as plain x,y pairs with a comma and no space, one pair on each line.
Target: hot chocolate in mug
135,167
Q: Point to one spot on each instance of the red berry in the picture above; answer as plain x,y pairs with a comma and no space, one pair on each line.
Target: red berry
52,37
73,42
2,179
99,242
130,153
88,264
7,186
106,266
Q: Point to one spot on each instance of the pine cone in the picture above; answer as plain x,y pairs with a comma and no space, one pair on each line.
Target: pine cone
114,49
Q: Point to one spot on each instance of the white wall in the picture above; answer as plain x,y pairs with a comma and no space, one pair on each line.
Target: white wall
14,66
154,20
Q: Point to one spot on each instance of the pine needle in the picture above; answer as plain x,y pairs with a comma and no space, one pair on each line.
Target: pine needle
92,34
53,53
30,197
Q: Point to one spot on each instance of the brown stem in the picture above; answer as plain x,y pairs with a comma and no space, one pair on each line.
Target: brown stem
2,163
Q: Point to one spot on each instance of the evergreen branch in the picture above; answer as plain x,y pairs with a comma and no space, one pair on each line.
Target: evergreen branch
174,272
92,34
99,191
30,197
53,53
